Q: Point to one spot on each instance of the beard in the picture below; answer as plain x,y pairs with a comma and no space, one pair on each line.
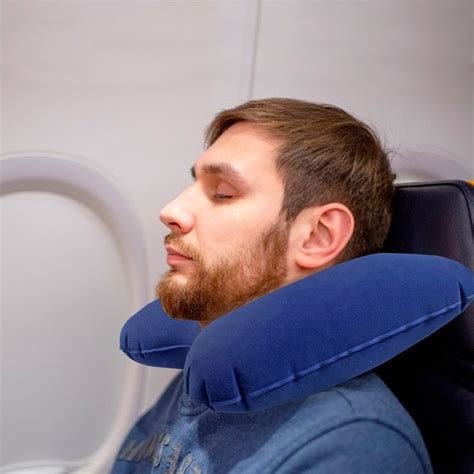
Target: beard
212,291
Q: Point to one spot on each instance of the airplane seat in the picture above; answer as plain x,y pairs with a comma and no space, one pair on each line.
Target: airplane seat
434,380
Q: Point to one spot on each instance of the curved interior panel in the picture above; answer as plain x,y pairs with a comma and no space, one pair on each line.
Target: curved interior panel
65,297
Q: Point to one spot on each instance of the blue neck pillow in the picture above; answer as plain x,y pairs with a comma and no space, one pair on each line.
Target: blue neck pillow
308,336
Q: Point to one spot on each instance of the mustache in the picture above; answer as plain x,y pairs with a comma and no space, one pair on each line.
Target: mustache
176,242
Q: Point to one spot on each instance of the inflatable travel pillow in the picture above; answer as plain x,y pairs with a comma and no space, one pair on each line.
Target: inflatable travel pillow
308,336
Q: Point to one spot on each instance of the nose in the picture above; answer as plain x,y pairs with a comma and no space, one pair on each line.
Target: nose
177,216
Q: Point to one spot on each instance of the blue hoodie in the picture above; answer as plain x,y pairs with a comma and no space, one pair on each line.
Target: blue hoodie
356,427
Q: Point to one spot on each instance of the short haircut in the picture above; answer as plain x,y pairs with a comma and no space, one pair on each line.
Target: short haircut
325,155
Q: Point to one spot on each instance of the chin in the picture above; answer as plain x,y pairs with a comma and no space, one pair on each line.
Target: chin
177,274
179,277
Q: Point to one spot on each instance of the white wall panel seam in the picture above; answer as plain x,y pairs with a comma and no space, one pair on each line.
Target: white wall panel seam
250,52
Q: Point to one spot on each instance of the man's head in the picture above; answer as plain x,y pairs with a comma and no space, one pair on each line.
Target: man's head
285,188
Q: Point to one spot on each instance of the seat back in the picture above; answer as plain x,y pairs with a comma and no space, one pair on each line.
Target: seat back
435,379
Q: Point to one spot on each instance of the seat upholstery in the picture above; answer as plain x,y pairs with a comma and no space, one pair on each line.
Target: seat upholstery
435,379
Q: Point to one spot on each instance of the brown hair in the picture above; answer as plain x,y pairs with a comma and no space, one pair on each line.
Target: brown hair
325,155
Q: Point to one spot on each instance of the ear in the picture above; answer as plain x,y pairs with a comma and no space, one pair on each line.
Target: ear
321,234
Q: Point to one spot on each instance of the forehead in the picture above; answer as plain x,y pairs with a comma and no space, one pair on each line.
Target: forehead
244,150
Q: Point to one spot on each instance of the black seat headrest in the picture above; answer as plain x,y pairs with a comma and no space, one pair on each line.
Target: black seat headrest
435,379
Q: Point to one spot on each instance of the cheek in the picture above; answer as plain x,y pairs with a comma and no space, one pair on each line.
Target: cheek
229,232
233,228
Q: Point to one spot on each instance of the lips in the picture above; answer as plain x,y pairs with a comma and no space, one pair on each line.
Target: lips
172,251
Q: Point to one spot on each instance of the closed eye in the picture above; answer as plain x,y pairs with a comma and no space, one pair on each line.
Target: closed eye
221,196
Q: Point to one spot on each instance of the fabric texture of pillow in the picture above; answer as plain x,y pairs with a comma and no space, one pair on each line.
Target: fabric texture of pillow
308,336
151,337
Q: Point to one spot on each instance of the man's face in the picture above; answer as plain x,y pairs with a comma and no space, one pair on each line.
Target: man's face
237,245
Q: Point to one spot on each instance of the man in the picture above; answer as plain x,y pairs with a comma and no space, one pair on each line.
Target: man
285,188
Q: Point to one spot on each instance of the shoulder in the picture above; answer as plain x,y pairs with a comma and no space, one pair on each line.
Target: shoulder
358,426
359,445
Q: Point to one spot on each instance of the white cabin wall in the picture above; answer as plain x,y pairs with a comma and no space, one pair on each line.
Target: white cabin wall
404,67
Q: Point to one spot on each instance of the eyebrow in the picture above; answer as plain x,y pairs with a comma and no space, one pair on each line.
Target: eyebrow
223,169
